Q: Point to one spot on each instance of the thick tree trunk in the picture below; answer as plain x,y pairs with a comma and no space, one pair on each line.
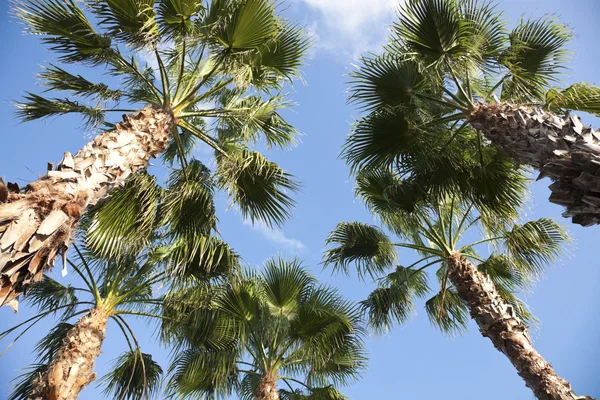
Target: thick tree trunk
497,321
267,389
73,368
37,224
558,146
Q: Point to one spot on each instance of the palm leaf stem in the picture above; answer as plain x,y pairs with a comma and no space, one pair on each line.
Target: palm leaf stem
181,70
164,77
205,138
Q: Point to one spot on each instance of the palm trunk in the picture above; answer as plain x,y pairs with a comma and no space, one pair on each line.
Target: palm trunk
73,368
558,146
267,389
498,322
37,224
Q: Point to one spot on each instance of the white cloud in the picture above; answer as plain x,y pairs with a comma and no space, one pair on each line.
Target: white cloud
352,27
276,236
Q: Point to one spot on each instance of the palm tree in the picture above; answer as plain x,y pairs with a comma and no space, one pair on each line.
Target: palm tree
438,234
140,237
66,357
227,61
447,59
258,330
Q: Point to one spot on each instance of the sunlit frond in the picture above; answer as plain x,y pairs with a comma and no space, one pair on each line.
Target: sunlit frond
364,245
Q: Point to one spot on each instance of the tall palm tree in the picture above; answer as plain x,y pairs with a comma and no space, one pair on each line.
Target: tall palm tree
439,234
258,331
227,60
454,63
142,236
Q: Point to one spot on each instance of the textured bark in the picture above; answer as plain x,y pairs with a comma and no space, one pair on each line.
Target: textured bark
560,147
267,389
37,224
73,368
498,321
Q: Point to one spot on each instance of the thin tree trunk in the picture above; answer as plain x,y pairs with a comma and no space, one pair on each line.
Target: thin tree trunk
267,389
73,368
498,322
560,147
37,224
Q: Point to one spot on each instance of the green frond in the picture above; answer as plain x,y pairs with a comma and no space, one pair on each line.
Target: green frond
282,56
535,58
257,186
380,139
364,245
123,222
535,244
25,383
487,33
65,29
35,107
579,96
47,348
177,18
393,302
252,118
503,271
198,373
56,78
49,294
198,256
243,26
132,376
285,282
448,312
187,207
385,81
129,21
432,31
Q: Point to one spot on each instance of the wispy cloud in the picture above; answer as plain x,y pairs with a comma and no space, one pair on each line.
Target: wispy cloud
276,236
351,27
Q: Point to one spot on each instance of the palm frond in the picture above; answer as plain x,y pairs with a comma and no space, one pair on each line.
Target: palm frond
198,256
124,222
364,245
176,18
65,29
133,375
385,81
285,282
448,312
35,107
188,204
25,383
130,21
579,96
535,244
535,58
49,294
48,347
56,78
257,186
393,302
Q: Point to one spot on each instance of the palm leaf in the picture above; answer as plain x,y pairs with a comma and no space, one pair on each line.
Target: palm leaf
132,376
535,58
36,107
65,29
257,186
176,17
364,245
56,78
579,96
130,21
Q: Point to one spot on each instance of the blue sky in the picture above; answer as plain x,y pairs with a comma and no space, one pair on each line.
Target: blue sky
413,361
